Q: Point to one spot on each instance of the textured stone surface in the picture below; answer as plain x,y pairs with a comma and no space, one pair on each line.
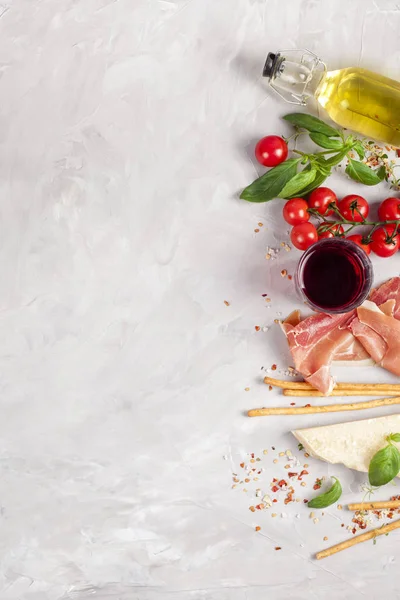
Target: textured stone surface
126,132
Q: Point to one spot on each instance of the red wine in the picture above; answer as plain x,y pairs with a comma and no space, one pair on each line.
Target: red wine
334,275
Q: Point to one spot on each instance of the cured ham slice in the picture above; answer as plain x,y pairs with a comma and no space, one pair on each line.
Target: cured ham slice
390,290
314,343
372,333
379,333
353,352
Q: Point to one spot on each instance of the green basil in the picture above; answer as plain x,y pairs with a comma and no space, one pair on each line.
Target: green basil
329,497
268,186
298,183
359,148
311,124
395,437
336,158
384,466
324,141
319,180
360,172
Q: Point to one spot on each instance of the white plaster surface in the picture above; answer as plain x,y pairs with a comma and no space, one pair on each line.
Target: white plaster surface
126,132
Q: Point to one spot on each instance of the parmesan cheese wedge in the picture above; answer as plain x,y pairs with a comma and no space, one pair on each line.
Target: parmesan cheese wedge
352,444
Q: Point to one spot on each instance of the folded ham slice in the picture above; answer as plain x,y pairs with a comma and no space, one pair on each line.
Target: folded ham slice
379,333
314,343
362,335
390,290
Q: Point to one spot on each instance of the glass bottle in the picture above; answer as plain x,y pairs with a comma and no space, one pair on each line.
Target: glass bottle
354,98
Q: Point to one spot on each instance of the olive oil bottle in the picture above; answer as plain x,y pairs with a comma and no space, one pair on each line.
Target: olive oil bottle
354,98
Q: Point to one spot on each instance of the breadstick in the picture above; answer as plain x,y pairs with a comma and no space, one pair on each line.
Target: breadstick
374,505
358,539
304,385
336,393
309,410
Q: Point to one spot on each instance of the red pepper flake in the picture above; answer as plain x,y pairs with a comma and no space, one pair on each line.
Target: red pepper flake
317,484
273,447
242,465
274,500
270,388
264,295
342,525
256,231
252,455
398,152
227,303
258,528
257,327
274,367
290,474
278,548
390,515
305,501
289,497
307,405
252,508
282,482
290,277
274,479
304,472
293,404
247,480
274,488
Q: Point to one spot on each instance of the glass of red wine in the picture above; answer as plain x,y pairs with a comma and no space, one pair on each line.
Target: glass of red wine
334,275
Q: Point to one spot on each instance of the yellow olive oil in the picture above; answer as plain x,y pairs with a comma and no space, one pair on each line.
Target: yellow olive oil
363,101
354,98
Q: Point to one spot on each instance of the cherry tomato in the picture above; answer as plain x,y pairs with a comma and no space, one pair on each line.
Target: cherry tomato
320,199
389,210
295,211
381,242
358,239
303,236
354,208
333,231
271,150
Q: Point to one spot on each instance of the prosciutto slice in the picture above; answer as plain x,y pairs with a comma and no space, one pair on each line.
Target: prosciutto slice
372,333
314,343
390,290
379,333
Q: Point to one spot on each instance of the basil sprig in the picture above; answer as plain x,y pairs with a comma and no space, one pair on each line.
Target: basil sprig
327,498
385,464
287,181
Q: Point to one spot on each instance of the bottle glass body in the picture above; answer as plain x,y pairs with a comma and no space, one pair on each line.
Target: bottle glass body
362,101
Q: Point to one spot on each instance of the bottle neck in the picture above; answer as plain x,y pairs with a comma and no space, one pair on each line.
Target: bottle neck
295,81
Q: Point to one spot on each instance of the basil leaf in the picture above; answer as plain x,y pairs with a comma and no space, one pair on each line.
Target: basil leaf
268,186
395,437
324,141
319,180
381,172
359,148
298,183
328,498
360,172
311,124
336,158
384,466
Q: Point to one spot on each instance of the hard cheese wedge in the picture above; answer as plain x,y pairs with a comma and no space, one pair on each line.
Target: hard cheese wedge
353,444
